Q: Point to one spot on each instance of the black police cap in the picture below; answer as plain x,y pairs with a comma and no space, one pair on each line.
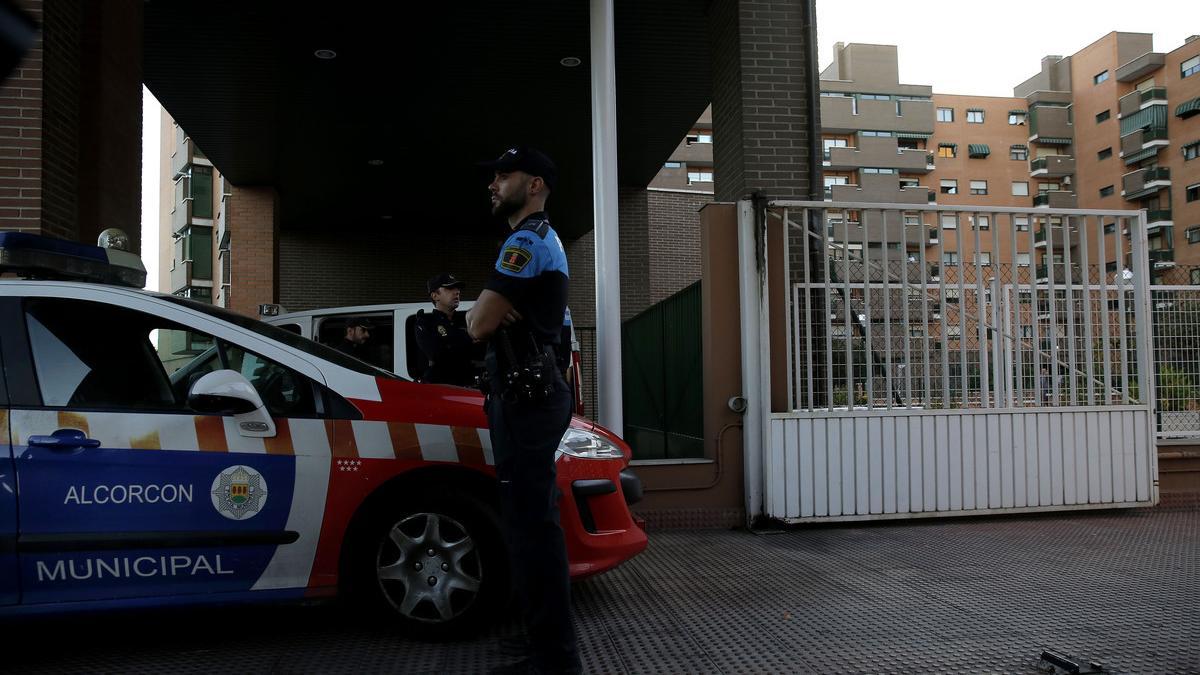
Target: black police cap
443,281
359,321
529,160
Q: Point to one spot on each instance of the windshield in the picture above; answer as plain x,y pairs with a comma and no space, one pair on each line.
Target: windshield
280,335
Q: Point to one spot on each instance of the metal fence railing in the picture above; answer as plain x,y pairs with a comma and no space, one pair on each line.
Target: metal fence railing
1175,306
927,306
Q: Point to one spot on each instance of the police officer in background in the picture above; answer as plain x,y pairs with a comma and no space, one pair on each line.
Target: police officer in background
442,335
520,314
355,335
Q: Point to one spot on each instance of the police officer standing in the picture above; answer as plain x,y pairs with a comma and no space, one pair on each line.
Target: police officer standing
442,335
520,315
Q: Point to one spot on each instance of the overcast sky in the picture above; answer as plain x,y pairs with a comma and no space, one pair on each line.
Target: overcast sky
986,47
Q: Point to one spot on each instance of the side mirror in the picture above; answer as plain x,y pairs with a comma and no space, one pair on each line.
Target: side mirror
226,392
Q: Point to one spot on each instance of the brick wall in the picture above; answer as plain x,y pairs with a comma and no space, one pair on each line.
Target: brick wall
674,241
252,217
760,102
21,139
633,216
70,122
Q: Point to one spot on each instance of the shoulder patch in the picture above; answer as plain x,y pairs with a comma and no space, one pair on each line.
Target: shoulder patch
515,258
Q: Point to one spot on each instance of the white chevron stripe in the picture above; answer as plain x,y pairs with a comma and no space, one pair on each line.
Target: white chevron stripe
485,442
308,438
437,443
291,565
373,439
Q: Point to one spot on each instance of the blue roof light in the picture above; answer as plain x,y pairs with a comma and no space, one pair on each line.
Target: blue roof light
35,256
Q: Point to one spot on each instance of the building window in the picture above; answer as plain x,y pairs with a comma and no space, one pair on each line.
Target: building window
1020,188
949,221
1193,192
983,258
699,138
873,170
1191,151
673,165
975,117
1016,117
700,177
909,183
1018,152
1190,67
201,188
1110,228
950,259
1021,223
984,222
947,149
1100,77
1101,116
1022,260
979,187
945,114
1106,191
949,186
1104,154
875,134
1194,277
832,143
953,331
1193,235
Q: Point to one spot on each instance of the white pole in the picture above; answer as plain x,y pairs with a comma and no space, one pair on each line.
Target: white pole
749,294
604,200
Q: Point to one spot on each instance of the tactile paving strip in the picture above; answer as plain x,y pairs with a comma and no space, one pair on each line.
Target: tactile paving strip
963,596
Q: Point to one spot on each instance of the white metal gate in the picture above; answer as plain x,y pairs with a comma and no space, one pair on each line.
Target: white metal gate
949,361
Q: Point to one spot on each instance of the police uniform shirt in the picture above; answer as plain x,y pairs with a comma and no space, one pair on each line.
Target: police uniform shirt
531,273
447,346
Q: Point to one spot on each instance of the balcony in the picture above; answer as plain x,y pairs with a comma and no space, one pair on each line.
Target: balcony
1050,125
879,188
1053,165
1137,100
693,153
933,235
1063,237
1162,258
1140,67
1158,218
883,153
183,155
1042,274
181,275
1144,182
1143,144
845,114
1055,199
181,216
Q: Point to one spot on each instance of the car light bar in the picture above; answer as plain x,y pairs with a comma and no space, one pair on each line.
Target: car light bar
32,256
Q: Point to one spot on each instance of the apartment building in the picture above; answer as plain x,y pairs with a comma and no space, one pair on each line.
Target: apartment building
690,166
193,243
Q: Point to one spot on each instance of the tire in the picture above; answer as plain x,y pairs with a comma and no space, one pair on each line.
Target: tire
434,563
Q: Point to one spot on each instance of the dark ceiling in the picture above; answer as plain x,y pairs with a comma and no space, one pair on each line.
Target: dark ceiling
430,89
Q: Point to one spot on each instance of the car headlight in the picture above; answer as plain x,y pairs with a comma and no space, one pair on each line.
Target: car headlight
587,445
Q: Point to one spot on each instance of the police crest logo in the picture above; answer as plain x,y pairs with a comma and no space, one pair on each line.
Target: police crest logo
239,492
514,259
442,331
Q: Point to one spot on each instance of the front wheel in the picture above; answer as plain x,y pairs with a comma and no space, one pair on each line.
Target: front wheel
437,564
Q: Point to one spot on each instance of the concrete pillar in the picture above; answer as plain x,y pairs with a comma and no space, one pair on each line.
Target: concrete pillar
252,218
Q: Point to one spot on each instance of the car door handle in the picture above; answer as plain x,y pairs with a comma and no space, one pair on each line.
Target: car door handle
64,439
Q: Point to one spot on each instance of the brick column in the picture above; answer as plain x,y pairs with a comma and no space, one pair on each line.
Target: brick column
252,218
762,65
71,121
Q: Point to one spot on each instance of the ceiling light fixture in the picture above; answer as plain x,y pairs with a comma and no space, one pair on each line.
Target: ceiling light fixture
375,162
325,54
570,61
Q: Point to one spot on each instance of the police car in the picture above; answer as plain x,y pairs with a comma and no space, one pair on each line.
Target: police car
157,451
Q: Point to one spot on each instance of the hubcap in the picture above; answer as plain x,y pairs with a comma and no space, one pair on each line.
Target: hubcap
429,568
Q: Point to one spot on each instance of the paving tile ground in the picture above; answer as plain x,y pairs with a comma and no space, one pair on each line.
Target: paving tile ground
947,596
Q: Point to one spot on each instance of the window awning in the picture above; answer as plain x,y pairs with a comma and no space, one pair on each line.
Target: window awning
1019,147
948,145
1017,112
978,150
1053,140
911,134
974,109
1188,108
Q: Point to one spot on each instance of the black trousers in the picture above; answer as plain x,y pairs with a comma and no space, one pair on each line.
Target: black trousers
525,436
